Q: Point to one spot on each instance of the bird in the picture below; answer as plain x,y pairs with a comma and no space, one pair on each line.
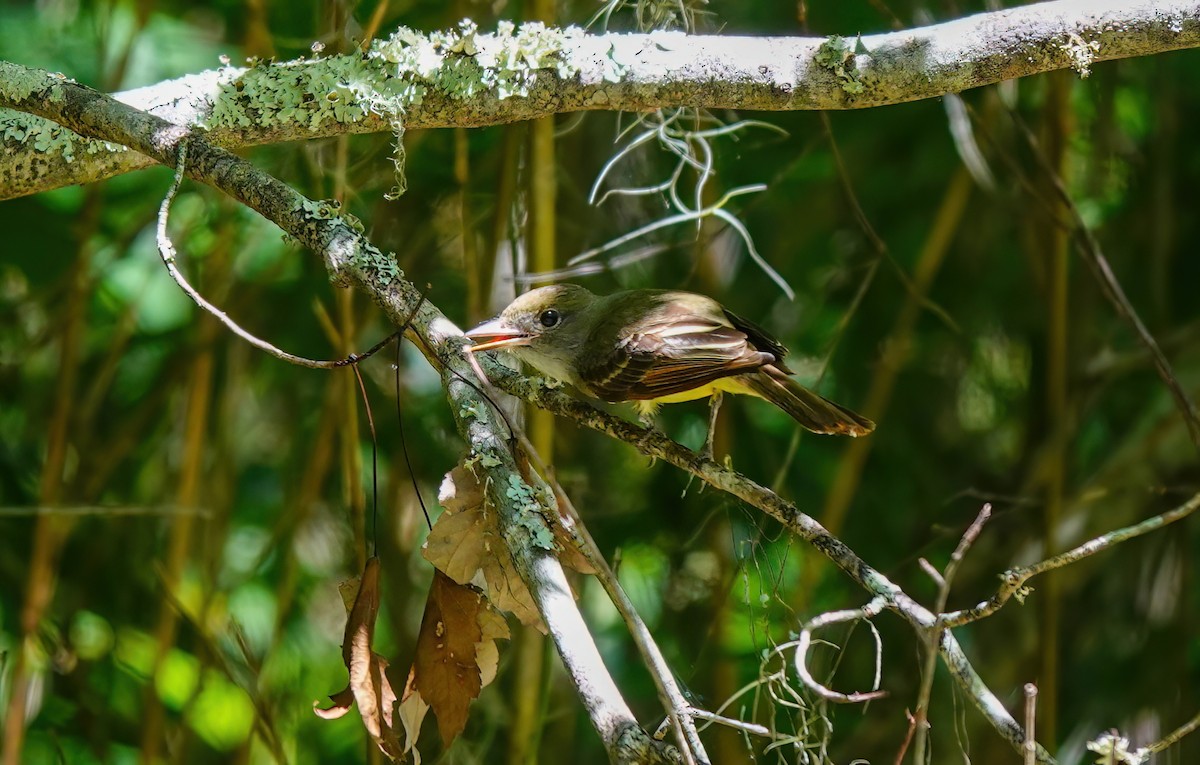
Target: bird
652,347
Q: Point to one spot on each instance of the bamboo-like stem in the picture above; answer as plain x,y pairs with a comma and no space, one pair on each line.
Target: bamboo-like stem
1056,138
50,530
179,539
472,266
541,235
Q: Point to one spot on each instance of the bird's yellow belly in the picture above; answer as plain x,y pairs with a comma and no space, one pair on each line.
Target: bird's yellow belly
721,384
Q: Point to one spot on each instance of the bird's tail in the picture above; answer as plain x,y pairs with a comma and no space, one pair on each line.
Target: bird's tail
813,411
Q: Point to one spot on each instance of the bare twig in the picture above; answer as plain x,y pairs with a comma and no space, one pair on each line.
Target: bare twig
167,251
751,728
1014,579
1191,726
945,581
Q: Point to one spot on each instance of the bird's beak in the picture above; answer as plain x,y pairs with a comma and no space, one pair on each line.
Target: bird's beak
496,333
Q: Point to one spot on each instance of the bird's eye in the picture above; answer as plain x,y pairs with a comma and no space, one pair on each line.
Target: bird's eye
549,318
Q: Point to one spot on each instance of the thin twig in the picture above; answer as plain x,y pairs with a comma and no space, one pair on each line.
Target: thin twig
1089,249
167,251
1014,579
729,722
945,581
868,612
1191,726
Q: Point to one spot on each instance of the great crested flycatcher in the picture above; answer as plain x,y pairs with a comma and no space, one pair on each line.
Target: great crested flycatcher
655,347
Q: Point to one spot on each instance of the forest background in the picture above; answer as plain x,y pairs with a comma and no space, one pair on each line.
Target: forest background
206,499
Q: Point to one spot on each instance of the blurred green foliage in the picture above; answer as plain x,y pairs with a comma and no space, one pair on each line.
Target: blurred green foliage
271,532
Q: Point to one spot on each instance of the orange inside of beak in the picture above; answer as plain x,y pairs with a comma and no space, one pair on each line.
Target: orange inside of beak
498,342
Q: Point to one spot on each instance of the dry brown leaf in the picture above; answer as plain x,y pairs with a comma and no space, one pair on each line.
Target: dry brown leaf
369,686
492,627
466,539
412,713
413,706
445,671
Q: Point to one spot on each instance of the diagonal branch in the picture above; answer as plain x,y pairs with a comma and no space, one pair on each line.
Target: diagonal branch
627,72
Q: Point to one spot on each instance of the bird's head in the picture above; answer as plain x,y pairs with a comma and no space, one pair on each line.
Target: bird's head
544,327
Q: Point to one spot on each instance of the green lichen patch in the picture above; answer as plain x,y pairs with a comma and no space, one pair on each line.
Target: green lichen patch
836,55
305,93
47,137
18,83
393,75
463,63
379,266
530,521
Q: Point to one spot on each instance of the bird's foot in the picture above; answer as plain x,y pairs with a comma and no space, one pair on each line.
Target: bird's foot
714,407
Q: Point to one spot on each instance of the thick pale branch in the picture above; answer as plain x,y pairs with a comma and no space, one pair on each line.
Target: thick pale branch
640,72
624,739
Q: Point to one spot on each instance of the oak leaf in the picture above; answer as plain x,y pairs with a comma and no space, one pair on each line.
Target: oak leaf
413,706
445,671
466,539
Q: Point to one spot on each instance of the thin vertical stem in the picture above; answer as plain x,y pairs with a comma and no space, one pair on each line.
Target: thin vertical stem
476,299
1056,136
195,437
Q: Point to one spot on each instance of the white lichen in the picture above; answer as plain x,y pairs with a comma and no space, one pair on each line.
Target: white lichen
1081,53
1114,750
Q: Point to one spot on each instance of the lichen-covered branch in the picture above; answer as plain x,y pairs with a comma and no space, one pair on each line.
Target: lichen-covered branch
462,78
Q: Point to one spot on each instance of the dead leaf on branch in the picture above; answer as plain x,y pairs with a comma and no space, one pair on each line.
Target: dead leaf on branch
447,680
446,670
412,713
466,541
369,686
569,553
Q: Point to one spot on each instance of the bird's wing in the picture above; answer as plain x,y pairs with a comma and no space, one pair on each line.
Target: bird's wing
675,354
760,338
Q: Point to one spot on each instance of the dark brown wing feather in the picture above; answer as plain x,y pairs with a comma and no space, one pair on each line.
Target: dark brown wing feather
657,362
760,338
